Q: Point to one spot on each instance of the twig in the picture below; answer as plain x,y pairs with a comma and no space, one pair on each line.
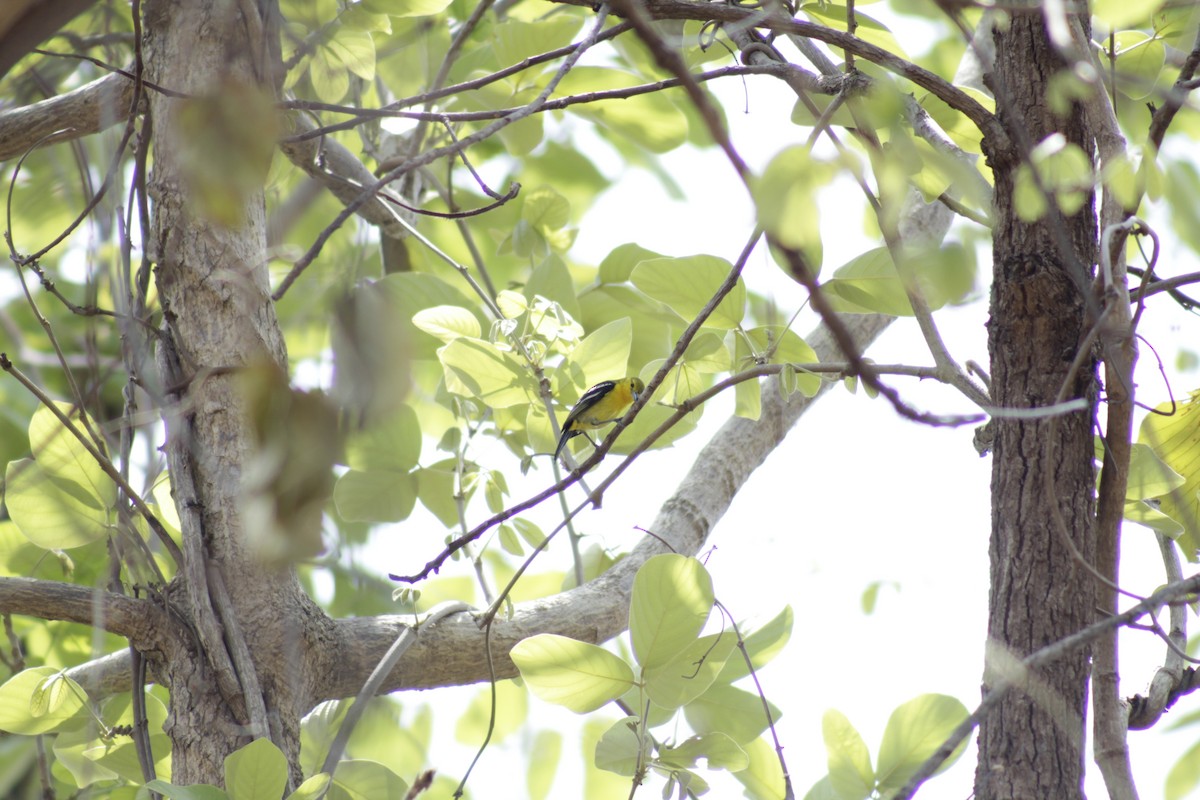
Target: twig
1165,686
1046,655
103,461
432,155
780,23
365,114
784,71
788,790
370,688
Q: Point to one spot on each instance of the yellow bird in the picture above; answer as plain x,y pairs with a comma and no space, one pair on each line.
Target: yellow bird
603,403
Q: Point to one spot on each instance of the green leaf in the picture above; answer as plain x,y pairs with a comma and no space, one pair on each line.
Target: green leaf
849,761
870,595
329,77
360,779
1148,476
618,749
785,347
480,370
415,8
516,40
869,29
393,444
359,18
735,712
21,713
708,354
1184,776
1143,513
956,124
197,791
685,677
48,695
719,750
822,790
546,752
1028,200
447,322
1175,441
599,784
545,209
375,496
1140,59
869,282
914,732
577,675
74,749
435,489
1065,172
64,458
52,513
119,756
551,281
509,542
763,779
650,121
604,353
512,707
1117,14
688,284
1176,23
313,788
388,326
618,265
786,198
356,50
258,771
672,598
747,394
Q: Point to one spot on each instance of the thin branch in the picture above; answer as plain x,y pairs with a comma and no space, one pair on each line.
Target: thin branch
365,114
741,644
430,156
371,687
1168,683
102,460
1046,655
784,71
681,345
780,23
1175,99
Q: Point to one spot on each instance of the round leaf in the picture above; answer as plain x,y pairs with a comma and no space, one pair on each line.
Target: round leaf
258,771
53,514
570,673
914,731
688,284
20,709
849,761
672,597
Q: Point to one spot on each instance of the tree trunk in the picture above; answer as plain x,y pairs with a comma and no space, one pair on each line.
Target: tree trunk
217,317
1030,746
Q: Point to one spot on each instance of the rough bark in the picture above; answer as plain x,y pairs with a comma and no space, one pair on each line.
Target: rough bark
212,281
1031,745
